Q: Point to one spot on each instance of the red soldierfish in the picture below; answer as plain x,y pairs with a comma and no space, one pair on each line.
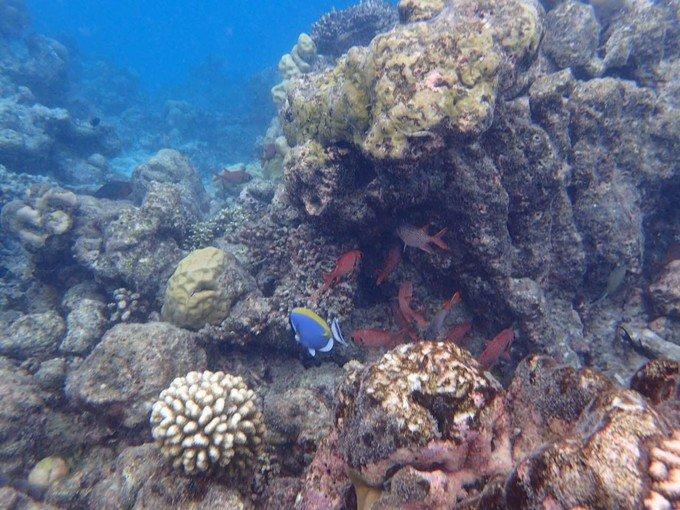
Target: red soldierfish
437,325
391,263
405,328
496,347
458,332
405,297
419,238
346,264
376,338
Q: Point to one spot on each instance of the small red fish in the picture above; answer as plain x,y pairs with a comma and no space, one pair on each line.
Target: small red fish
405,328
404,300
391,263
345,265
437,324
458,332
419,238
496,347
376,338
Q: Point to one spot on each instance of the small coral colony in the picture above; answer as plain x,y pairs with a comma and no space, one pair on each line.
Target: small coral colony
450,280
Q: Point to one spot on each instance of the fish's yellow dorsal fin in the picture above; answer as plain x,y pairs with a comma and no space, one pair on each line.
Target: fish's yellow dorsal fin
314,316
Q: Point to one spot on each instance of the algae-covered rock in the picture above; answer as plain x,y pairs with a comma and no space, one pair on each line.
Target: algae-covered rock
47,471
124,373
419,82
204,287
33,335
170,167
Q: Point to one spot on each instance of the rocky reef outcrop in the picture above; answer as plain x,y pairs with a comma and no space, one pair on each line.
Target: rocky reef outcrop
125,372
497,121
446,435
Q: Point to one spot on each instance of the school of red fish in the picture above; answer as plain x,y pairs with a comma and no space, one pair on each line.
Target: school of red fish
412,325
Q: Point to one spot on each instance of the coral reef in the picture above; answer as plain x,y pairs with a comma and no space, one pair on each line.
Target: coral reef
299,61
578,438
449,90
336,32
540,140
207,419
549,181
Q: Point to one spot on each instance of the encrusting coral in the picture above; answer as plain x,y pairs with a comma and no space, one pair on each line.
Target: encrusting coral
208,419
416,83
424,405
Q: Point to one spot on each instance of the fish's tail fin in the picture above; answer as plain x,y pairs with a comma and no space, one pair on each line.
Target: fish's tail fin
438,241
337,333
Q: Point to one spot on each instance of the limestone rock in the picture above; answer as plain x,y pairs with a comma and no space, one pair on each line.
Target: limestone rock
125,372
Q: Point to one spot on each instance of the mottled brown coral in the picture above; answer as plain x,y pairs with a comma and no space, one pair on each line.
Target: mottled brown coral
427,405
658,380
602,465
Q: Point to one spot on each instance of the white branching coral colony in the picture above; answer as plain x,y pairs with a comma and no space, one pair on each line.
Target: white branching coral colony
207,419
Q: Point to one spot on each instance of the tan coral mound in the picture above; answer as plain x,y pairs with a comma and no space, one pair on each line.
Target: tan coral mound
206,420
44,214
204,287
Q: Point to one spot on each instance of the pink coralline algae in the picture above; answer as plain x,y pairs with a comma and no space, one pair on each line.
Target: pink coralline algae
425,427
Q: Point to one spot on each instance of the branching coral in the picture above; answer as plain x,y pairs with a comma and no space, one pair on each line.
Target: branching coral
207,419
336,32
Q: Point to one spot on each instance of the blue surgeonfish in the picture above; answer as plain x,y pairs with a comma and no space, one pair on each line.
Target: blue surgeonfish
314,333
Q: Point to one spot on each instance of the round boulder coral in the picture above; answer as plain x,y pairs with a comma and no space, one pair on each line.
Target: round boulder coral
204,287
208,419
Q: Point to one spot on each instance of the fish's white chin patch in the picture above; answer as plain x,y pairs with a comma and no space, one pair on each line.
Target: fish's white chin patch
312,351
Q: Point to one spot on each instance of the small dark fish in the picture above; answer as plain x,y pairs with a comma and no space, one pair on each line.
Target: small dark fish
95,121
229,179
636,344
614,282
114,190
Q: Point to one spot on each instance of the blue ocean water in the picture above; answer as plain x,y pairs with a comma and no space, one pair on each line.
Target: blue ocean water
162,41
